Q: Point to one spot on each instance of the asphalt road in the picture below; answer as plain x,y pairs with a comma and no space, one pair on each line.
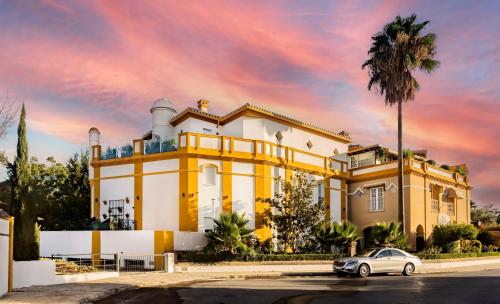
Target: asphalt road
466,287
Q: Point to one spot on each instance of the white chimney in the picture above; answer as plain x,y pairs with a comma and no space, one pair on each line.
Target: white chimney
162,111
203,105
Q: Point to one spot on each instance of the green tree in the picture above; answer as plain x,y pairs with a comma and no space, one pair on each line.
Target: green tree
344,233
230,234
487,216
396,52
25,243
293,214
387,234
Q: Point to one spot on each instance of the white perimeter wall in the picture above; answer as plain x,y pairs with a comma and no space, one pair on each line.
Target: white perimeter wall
65,242
244,190
160,198
127,242
28,273
4,256
186,241
209,196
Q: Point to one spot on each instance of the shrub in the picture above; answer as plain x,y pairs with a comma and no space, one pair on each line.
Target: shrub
472,246
432,250
490,248
431,162
230,234
486,238
388,234
457,255
446,167
446,236
207,258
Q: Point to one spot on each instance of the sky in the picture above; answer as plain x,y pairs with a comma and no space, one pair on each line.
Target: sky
78,64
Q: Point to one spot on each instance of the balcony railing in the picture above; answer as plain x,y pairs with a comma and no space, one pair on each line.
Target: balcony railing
117,152
159,145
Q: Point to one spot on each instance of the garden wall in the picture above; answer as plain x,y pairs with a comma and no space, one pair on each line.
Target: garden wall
4,256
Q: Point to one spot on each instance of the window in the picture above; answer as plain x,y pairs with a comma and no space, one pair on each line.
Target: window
309,144
321,191
384,254
207,131
209,173
377,199
397,253
451,208
434,205
279,135
354,161
363,159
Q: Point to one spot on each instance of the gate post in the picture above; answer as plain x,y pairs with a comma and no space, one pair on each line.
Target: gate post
169,262
117,262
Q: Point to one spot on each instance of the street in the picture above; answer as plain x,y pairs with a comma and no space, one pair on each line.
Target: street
465,287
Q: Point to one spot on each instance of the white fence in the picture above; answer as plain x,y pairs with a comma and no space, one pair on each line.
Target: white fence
4,255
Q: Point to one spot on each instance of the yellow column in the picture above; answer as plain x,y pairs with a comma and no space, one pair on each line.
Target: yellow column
263,188
11,255
327,198
188,194
138,195
288,175
96,248
227,186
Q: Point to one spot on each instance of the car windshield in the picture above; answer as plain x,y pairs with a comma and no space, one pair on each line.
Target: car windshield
372,253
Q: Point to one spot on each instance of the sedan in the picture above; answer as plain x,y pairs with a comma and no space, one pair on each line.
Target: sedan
380,260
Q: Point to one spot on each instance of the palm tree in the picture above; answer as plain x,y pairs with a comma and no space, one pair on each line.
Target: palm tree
395,54
344,233
230,234
386,234
323,236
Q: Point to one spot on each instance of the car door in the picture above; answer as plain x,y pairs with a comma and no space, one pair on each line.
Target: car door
382,262
398,260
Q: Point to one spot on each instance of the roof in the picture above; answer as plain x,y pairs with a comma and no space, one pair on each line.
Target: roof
259,111
163,103
362,149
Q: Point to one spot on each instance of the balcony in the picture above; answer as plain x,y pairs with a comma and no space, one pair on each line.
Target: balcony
117,152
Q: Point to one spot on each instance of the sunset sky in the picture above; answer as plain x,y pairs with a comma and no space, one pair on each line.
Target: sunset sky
103,63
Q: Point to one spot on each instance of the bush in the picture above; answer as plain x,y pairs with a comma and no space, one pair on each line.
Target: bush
490,248
486,238
472,246
432,250
207,258
457,255
446,236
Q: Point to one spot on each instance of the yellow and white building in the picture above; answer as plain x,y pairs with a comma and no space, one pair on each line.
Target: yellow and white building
169,185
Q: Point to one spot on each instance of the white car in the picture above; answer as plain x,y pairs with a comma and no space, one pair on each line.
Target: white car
380,260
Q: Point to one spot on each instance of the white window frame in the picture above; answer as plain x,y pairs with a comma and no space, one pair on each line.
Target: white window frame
377,199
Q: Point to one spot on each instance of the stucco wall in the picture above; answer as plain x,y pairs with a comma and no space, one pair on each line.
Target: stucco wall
127,242
28,273
161,201
243,180
209,196
117,189
195,125
65,242
188,241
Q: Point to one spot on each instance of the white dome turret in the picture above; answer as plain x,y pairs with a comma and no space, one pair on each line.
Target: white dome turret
94,137
162,111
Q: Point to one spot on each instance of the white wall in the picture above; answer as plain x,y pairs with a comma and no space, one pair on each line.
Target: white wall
244,190
117,170
209,196
187,241
28,273
65,242
265,129
160,201
195,125
116,189
335,200
127,242
4,256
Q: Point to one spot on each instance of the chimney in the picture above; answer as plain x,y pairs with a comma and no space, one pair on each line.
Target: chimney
203,105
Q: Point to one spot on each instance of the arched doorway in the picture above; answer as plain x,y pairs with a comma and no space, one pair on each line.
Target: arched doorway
420,238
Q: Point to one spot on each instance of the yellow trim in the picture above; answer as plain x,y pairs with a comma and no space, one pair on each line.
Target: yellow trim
10,278
227,186
263,183
160,172
96,247
188,194
97,193
117,176
288,175
138,207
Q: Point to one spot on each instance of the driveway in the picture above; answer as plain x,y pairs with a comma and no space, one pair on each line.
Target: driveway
466,287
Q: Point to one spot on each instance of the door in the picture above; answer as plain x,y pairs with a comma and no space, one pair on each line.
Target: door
382,262
398,261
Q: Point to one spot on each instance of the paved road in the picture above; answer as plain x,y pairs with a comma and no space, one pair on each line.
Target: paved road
467,287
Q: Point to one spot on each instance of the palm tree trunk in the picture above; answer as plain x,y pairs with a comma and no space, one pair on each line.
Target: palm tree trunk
401,206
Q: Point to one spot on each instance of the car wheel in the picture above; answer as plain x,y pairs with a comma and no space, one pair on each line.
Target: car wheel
409,269
363,270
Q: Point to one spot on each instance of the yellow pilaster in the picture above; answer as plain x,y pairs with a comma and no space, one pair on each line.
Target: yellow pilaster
97,192
96,248
343,202
263,183
227,186
138,195
288,175
188,194
10,278
327,199
163,242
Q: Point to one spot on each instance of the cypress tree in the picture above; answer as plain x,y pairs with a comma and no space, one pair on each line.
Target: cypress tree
25,239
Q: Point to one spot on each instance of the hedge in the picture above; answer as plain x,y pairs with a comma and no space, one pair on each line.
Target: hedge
457,255
196,257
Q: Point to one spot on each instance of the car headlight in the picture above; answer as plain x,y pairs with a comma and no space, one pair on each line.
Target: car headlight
351,263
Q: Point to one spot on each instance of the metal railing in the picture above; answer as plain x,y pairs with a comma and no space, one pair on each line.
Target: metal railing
81,263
